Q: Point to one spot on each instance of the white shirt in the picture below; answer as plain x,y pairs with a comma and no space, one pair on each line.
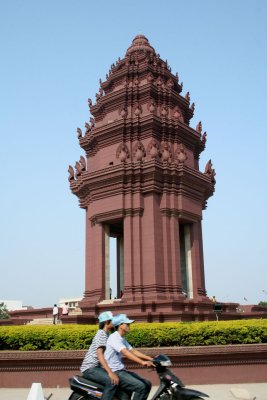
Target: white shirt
65,309
115,344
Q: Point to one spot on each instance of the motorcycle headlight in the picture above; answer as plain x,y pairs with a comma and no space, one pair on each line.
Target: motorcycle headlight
166,363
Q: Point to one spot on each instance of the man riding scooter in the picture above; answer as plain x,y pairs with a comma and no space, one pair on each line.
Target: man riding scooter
171,387
94,366
116,347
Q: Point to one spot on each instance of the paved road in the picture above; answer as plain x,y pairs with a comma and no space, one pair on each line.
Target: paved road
249,391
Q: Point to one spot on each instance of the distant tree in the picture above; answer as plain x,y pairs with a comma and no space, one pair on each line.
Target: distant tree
3,311
263,303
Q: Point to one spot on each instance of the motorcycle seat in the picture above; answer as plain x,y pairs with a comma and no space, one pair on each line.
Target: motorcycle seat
81,385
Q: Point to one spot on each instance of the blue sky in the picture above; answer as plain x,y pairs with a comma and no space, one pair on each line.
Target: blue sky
52,56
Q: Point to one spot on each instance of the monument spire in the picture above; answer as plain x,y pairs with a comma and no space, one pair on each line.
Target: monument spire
140,44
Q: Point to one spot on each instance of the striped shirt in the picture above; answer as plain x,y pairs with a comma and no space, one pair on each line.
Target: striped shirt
91,359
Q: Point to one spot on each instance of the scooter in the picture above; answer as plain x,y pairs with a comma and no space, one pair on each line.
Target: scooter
170,388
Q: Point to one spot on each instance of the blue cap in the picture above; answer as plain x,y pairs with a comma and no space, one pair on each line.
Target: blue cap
105,316
121,319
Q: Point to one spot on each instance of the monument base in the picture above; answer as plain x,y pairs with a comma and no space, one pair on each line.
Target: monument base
156,311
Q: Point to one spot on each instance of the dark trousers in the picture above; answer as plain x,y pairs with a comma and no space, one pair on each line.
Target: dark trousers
99,375
131,382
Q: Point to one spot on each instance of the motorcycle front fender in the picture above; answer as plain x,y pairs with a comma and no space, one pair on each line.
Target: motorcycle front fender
160,390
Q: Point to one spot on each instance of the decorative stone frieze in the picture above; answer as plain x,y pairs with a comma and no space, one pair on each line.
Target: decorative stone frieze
122,152
139,151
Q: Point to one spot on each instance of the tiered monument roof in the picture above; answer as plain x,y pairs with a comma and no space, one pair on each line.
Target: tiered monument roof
140,110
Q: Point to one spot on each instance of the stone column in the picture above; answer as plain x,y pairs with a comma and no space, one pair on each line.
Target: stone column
95,263
175,266
120,266
167,276
189,262
133,271
128,257
107,262
197,261
152,247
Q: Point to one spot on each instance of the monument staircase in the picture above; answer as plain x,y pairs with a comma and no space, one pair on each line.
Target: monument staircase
41,321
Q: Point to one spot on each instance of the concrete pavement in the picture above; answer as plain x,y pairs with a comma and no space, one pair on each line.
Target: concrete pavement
249,391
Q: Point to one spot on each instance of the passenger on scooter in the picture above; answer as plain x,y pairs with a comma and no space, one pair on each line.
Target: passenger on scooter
116,347
94,366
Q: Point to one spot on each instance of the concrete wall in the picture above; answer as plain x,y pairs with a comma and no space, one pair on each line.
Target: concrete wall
193,365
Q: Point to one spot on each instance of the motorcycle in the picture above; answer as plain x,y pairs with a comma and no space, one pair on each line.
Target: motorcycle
170,388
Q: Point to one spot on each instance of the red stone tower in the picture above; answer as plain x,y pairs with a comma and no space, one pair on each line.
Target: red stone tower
140,182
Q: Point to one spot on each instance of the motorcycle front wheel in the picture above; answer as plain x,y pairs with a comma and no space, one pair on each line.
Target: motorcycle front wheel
168,396
165,396
77,396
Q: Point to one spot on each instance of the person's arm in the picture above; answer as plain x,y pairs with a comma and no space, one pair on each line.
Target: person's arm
131,356
141,355
113,377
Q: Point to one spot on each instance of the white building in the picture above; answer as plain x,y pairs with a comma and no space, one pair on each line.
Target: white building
13,305
72,302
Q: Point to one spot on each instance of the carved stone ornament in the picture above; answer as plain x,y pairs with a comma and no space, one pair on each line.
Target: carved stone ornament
71,173
187,96
199,127
170,83
78,169
180,154
139,151
87,128
166,153
177,115
93,144
138,110
83,163
159,81
153,148
152,106
210,171
164,111
136,81
90,102
155,61
79,133
150,77
123,112
204,138
92,122
122,152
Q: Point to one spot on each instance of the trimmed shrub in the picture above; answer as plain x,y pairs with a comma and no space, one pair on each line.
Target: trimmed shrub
78,337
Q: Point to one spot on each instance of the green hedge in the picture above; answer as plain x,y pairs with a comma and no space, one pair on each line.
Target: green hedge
77,337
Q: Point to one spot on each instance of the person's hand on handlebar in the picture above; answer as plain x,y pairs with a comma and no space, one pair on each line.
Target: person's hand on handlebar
148,364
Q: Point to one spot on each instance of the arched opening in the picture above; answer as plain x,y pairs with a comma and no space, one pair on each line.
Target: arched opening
114,271
186,259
